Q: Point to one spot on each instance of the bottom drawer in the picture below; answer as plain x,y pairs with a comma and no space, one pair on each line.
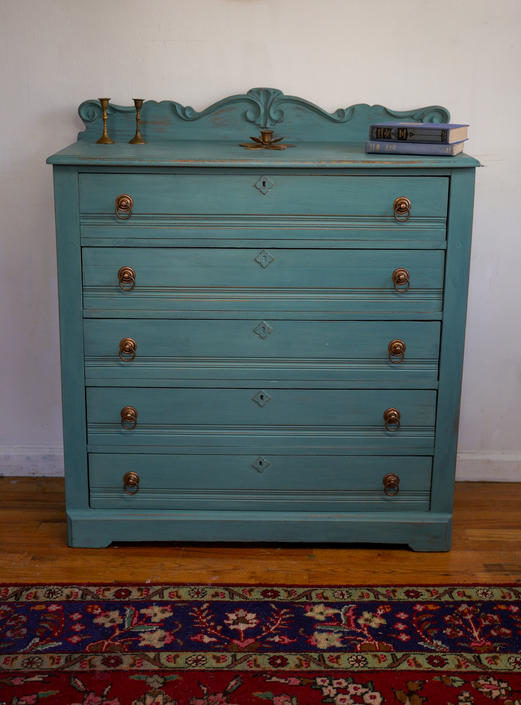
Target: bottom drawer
256,483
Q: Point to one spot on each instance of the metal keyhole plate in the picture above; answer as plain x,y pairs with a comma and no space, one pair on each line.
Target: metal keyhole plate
264,184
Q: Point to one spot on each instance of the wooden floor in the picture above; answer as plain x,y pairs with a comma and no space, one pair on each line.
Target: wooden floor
486,548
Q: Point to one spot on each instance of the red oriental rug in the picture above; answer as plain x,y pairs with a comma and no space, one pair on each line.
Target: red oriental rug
254,645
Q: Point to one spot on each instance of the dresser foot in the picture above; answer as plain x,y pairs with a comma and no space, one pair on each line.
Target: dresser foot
438,540
85,536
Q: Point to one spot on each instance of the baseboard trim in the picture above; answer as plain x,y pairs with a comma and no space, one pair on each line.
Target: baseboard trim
494,466
47,461
38,461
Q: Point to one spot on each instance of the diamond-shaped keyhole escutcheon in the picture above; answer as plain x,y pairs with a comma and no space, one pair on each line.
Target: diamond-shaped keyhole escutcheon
264,258
264,185
261,398
261,464
262,329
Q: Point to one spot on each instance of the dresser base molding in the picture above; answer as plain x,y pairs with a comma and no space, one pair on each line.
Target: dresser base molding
422,531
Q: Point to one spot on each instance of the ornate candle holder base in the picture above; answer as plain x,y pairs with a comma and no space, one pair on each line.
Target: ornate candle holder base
266,141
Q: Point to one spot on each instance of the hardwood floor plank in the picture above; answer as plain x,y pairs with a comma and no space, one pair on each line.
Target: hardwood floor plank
486,548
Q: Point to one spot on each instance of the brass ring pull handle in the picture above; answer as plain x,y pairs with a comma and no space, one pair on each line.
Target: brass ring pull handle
391,483
127,349
401,279
128,417
402,209
396,349
392,419
127,278
131,482
124,204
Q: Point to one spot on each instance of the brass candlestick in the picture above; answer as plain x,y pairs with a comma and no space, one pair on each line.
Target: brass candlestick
138,137
104,139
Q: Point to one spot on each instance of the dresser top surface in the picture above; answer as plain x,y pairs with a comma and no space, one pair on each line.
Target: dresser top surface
207,153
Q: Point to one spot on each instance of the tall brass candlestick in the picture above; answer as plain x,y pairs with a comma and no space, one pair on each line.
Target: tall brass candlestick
138,137
104,139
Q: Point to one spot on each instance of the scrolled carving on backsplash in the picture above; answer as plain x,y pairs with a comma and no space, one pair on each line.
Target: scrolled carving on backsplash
432,113
271,112
232,119
266,110
90,110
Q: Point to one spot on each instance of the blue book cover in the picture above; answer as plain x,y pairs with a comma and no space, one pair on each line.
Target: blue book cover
426,132
375,147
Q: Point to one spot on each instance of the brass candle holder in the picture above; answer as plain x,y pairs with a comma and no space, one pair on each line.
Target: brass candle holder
266,141
104,139
138,137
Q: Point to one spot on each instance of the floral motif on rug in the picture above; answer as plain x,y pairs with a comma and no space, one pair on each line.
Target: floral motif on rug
238,645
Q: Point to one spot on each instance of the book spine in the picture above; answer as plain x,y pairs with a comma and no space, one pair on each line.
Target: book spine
408,148
408,134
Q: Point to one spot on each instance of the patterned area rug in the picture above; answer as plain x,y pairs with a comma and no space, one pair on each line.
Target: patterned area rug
237,645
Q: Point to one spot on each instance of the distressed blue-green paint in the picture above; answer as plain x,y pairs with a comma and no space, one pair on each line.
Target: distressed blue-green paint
258,281
423,531
241,114
343,304
284,409
309,260
225,268
231,194
249,482
264,232
71,336
328,421
318,155
453,337
173,353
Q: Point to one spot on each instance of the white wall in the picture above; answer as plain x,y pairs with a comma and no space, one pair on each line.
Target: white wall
464,54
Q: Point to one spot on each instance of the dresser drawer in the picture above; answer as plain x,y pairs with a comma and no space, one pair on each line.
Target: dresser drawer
254,192
262,418
243,279
173,352
227,268
249,482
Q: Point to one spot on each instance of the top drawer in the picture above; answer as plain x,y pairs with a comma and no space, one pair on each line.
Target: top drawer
262,193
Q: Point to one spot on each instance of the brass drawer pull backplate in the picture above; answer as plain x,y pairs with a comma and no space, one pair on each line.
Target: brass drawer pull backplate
128,417
396,350
391,483
127,349
392,419
123,206
402,209
401,279
126,278
131,482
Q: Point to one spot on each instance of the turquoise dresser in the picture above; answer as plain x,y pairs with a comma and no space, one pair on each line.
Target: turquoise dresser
260,345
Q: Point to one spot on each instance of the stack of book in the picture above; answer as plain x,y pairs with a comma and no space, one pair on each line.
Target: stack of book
416,138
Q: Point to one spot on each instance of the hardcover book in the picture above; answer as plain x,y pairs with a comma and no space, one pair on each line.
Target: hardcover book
426,132
414,148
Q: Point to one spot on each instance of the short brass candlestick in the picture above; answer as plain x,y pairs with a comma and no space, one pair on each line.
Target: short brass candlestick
104,139
138,137
266,141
